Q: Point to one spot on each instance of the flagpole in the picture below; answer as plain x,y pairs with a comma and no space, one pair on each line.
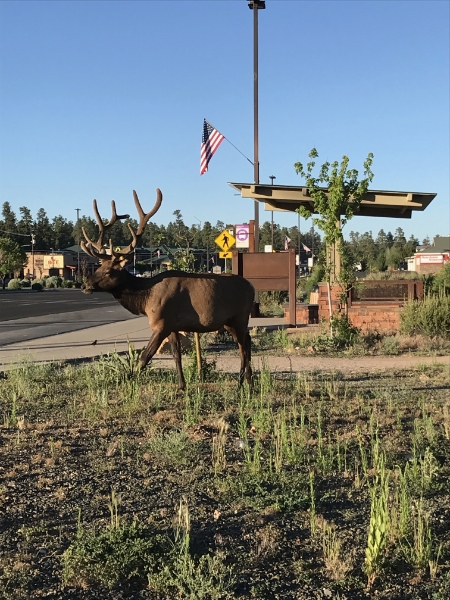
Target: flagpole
255,5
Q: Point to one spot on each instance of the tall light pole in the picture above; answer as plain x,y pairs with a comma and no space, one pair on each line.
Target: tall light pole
78,228
272,177
256,5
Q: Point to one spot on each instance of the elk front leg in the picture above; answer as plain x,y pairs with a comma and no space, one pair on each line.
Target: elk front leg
174,339
150,350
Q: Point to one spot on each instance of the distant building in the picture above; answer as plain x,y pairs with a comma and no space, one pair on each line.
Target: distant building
430,259
62,263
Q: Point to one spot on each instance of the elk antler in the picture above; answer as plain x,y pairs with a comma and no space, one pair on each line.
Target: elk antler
143,220
96,249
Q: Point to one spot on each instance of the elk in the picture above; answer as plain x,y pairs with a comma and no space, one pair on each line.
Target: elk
173,301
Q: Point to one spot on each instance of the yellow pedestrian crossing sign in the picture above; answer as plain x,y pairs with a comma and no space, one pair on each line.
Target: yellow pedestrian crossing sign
226,254
225,240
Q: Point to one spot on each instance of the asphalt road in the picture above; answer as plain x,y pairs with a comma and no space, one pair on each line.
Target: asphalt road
28,315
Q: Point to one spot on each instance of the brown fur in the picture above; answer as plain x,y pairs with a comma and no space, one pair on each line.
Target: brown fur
176,301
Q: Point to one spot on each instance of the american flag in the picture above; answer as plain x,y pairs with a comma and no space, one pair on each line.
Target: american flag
211,140
305,248
286,242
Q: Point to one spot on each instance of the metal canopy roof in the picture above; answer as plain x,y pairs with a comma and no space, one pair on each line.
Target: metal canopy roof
376,203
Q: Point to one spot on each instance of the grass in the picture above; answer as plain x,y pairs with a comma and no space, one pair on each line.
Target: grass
114,485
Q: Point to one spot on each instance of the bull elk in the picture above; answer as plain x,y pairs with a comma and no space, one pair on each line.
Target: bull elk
173,301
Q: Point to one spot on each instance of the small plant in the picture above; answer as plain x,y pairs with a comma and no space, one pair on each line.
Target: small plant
378,525
418,550
218,447
36,285
126,366
336,566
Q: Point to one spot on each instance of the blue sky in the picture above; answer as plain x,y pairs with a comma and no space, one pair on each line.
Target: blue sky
100,98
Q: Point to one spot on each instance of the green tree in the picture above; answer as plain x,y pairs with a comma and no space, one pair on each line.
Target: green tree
89,225
25,225
336,206
8,224
61,233
43,231
12,258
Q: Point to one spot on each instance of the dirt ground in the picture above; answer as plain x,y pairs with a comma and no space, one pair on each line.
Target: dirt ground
297,364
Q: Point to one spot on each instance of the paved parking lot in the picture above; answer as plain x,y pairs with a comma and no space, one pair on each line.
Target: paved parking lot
28,315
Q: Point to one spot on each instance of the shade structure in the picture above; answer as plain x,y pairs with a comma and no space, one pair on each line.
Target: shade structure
375,203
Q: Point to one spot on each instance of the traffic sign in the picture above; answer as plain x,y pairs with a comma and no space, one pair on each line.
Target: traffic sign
242,235
225,240
225,254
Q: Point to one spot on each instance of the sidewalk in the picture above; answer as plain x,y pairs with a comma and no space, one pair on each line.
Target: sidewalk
94,341
76,345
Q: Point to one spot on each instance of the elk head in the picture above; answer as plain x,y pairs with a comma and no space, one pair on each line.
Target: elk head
112,274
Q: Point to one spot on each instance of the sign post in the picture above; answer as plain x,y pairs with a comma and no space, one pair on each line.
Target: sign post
242,235
225,241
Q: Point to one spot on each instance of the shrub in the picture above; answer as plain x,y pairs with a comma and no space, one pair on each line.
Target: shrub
40,281
393,275
53,281
66,283
430,316
390,345
272,303
441,281
14,284
25,283
114,555
37,286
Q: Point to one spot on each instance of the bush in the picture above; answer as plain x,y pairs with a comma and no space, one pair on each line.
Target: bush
441,281
37,286
392,275
272,303
430,316
53,282
66,283
40,281
25,283
14,284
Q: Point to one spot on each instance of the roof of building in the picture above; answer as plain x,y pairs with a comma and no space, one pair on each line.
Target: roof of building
375,203
440,244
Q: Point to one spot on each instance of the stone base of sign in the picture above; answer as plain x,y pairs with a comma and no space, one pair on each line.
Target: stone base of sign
306,314
372,305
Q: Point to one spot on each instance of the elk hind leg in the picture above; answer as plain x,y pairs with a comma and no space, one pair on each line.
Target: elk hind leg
174,339
244,343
